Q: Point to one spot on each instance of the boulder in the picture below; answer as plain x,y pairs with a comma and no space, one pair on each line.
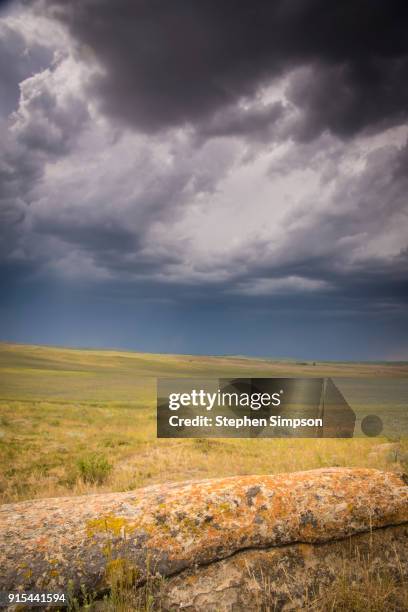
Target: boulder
174,528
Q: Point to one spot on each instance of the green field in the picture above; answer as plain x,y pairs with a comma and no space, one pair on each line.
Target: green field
77,421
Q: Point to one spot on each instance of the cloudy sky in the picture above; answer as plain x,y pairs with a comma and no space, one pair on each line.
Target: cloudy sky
206,176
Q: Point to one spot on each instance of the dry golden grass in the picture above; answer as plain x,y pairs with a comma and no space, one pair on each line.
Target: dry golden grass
372,590
361,587
46,444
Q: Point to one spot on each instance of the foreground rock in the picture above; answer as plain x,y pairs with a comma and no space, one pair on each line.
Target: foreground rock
291,577
172,528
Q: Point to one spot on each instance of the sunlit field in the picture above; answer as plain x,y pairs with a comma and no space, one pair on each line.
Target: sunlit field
79,421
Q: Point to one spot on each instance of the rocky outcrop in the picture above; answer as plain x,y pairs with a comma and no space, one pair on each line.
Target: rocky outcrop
176,528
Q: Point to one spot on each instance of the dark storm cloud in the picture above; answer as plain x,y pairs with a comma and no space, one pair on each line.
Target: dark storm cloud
350,96
4,4
378,284
168,63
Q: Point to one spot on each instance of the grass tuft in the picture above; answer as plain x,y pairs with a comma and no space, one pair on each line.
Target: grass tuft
94,468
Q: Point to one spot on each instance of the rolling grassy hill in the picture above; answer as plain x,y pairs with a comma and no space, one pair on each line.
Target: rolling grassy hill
73,421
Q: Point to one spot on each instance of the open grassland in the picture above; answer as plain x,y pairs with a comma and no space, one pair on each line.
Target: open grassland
77,421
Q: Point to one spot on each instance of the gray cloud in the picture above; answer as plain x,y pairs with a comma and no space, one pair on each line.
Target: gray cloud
44,123
120,223
348,97
44,126
258,122
357,244
170,64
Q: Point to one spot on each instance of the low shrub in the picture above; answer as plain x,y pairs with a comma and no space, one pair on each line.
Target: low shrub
94,468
